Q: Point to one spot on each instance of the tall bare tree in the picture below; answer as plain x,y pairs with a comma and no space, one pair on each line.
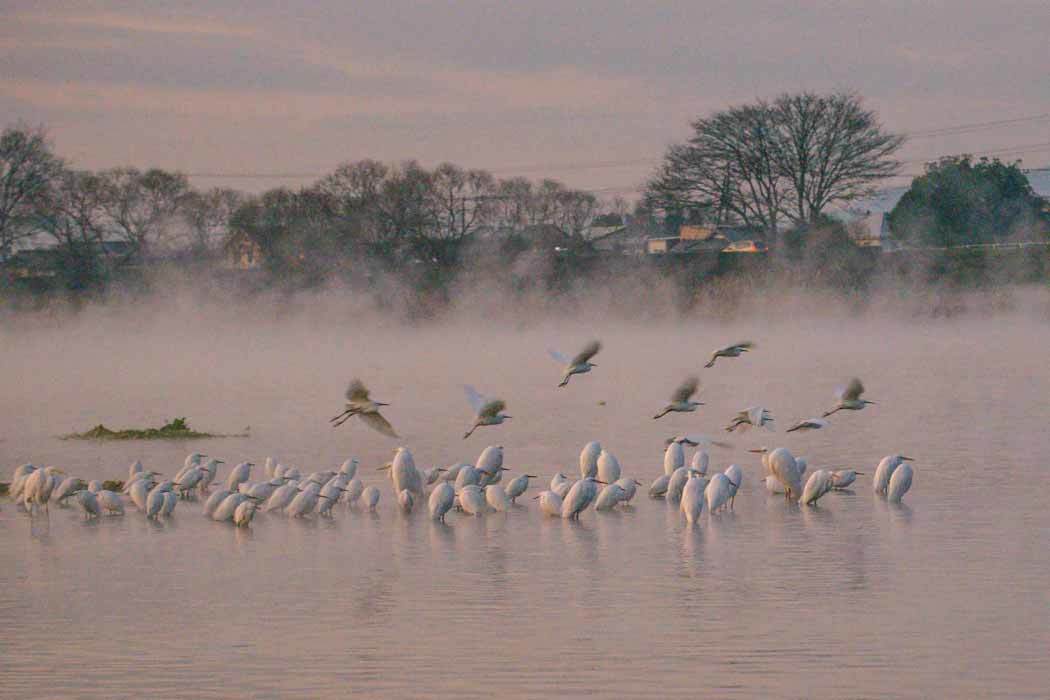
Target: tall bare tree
139,205
27,169
207,215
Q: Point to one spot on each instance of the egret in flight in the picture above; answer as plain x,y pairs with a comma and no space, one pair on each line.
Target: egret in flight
732,351
681,399
808,424
358,403
849,398
489,411
752,416
579,364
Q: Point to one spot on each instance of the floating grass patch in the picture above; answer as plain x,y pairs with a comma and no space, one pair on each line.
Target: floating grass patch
115,485
4,488
177,429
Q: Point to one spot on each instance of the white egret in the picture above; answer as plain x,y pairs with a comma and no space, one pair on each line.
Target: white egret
279,499
496,497
452,471
358,403
88,502
353,491
472,500
818,484
335,488
518,486
242,517
189,481
589,459
658,488
676,484
561,484
630,488
155,502
193,460
609,497
39,485
580,364
327,499
900,482
608,467
262,492
467,475
168,506
783,466
405,501
403,472
134,469
370,496
681,399
441,500
269,466
210,471
735,350
717,492
752,416
849,398
885,470
349,468
238,475
581,495
66,488
700,462
214,500
550,503
802,465
692,503
773,485
844,478
304,502
808,424
227,509
674,458
432,475
489,463
736,477
110,502
487,411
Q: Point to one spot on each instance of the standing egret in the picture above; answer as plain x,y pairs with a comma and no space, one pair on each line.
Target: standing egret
700,462
432,475
808,424
735,350
579,364
676,484
885,470
550,503
900,482
441,500
189,481
561,484
406,501
88,502
327,499
134,469
581,495
849,398
844,478
110,502
472,500
496,497
211,470
609,497
783,466
681,399
403,472
358,403
155,502
214,501
227,509
304,502
589,459
353,491
238,475
487,411
39,485
818,484
242,517
773,485
658,489
518,486
674,458
279,498
608,467
269,466
370,496
490,462
736,477
752,416
717,492
467,476
630,487
168,506
66,489
349,468
692,503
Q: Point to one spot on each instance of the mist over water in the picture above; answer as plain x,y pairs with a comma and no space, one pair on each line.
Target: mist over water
942,596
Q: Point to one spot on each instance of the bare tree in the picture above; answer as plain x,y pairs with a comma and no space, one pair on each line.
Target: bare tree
27,169
462,200
207,215
139,205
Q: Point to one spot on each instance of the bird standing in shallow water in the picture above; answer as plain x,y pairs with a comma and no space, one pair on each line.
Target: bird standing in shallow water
681,399
732,351
579,364
359,403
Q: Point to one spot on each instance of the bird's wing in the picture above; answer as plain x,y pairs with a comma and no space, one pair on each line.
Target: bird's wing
701,439
744,345
356,391
853,390
589,351
378,423
558,357
476,400
492,408
756,414
686,390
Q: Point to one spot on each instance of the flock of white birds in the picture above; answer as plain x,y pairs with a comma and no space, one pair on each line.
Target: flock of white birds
473,489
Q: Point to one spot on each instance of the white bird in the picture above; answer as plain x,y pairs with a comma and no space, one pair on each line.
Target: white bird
630,488
472,500
110,502
773,485
405,500
155,502
518,486
327,499
752,416
304,502
579,364
353,491
211,470
692,503
581,495
608,467
490,463
370,496
885,470
496,497
589,459
783,466
676,484
281,497
134,469
802,465
734,350
432,475
681,399
809,424
717,492
358,403
849,398
736,477
269,466
674,457
844,478
658,488
700,462
66,488
818,484
900,482
697,440
550,503
211,505
452,471
561,484
441,500
189,481
227,509
39,485
168,506
467,475
242,517
349,468
609,497
88,502
193,460
262,491
403,472
487,411
238,475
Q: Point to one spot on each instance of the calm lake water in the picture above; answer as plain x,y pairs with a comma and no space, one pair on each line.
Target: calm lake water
944,596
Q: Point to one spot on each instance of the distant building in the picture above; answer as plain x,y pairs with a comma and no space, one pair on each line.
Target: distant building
692,240
242,252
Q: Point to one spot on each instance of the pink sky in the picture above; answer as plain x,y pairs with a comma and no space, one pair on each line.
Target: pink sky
587,92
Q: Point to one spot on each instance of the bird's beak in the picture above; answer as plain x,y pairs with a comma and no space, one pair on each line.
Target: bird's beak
603,483
380,403
758,451
535,498
385,466
220,461
907,459
636,482
859,473
594,364
442,469
505,417
531,476
503,469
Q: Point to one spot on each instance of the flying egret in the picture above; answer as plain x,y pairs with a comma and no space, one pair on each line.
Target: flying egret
630,488
518,486
844,478
808,424
681,399
818,484
358,403
849,398
608,467
736,477
692,503
884,472
752,416
609,497
676,484
488,411
581,495
658,488
496,497
718,492
550,503
370,496
697,440
441,500
472,500
405,501
589,459
580,363
242,517
900,482
735,350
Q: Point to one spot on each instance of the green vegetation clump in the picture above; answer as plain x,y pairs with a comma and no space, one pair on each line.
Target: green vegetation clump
115,485
4,488
177,429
